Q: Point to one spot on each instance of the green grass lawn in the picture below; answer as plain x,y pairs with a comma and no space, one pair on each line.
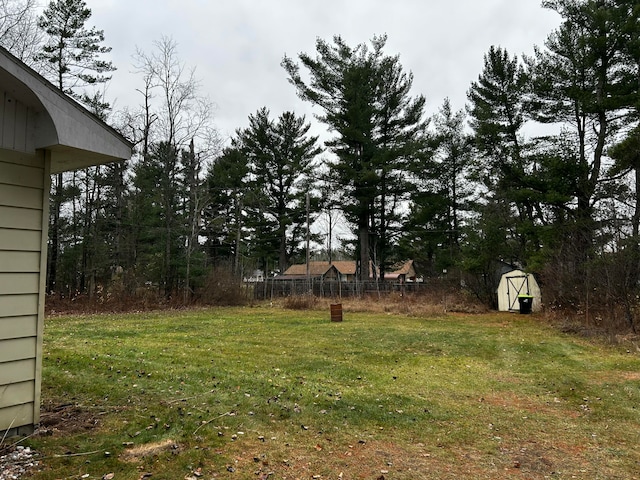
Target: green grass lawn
257,393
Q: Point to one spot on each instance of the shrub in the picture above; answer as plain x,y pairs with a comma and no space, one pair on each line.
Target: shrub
222,287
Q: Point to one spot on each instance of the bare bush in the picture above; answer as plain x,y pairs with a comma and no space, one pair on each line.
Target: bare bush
601,294
301,302
222,287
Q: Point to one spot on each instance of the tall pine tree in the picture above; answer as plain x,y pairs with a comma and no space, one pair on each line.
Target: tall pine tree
281,156
71,58
365,98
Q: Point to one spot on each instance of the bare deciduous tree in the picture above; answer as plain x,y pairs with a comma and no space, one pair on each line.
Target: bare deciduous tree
182,113
19,32
176,117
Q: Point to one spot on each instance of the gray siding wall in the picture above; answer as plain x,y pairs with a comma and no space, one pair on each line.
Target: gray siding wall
22,203
17,124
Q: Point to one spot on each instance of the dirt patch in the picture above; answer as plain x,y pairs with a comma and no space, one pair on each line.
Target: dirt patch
631,376
67,418
510,401
609,377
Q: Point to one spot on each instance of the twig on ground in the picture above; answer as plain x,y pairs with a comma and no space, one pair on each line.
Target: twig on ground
7,432
184,399
81,454
209,421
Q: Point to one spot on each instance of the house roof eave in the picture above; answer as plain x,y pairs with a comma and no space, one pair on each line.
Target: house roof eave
75,137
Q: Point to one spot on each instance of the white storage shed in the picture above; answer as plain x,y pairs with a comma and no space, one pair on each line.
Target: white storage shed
514,283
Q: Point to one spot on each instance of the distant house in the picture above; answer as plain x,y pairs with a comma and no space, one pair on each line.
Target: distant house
345,271
256,276
42,132
402,272
317,270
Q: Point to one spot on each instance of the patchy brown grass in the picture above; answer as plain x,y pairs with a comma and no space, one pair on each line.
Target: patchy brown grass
433,303
379,459
138,453
326,459
258,392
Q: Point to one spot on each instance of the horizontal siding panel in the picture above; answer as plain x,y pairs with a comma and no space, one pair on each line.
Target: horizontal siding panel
22,262
19,283
18,327
16,416
22,158
25,176
21,218
16,196
16,372
17,349
17,394
18,305
20,240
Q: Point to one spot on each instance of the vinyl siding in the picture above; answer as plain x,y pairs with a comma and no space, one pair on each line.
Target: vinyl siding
21,218
23,197
17,124
22,174
16,394
13,261
17,416
22,191
34,114
18,327
19,283
20,371
19,240
17,349
18,305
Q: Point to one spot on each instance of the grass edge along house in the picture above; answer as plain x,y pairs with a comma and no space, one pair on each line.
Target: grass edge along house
42,132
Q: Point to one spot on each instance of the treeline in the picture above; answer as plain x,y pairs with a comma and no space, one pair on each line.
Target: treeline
464,191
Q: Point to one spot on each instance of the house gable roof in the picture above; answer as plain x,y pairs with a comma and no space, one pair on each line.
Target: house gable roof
344,267
402,268
74,137
315,269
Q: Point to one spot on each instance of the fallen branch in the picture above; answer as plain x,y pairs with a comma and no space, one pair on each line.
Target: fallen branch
226,414
184,399
77,454
7,432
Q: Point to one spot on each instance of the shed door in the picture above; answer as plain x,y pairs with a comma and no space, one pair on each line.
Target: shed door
517,285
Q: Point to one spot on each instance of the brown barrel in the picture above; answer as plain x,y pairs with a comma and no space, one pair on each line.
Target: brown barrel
336,312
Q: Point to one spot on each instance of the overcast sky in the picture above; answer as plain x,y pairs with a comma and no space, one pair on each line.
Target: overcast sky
236,46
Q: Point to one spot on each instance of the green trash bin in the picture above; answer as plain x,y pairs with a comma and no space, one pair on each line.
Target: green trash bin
526,301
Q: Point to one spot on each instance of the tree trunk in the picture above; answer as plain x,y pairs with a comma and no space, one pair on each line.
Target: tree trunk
363,235
54,235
